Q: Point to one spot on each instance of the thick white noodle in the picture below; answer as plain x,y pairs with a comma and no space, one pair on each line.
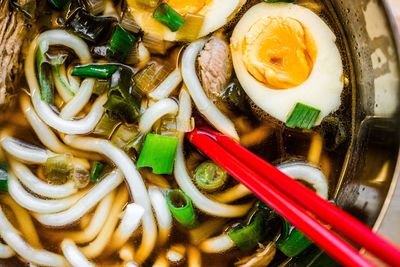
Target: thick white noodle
307,173
203,104
47,136
73,255
130,222
25,152
38,186
79,101
218,244
167,86
82,126
134,181
32,203
96,247
184,121
96,223
201,201
161,261
36,256
6,252
24,220
156,112
194,257
162,213
176,253
83,205
232,194
61,81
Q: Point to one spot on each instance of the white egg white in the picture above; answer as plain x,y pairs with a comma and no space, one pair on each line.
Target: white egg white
216,14
322,89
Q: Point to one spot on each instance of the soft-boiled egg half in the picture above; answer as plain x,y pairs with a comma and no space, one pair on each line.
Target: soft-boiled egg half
284,54
215,13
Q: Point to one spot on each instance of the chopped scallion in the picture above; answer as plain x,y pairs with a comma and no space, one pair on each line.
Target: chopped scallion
181,208
158,153
96,170
294,243
302,116
3,177
209,176
100,71
260,226
191,29
120,44
44,74
169,17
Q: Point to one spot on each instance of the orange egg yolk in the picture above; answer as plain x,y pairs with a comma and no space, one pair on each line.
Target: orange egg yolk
184,7
279,52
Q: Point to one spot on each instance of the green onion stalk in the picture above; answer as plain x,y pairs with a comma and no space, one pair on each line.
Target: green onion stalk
181,208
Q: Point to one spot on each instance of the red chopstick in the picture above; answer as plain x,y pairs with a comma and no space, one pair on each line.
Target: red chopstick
292,200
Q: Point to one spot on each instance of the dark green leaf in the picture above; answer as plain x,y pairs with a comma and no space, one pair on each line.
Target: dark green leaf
58,3
92,28
3,176
120,44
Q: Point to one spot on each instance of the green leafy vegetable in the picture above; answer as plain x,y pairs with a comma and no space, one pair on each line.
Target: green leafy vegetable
181,208
100,71
303,116
158,152
292,242
58,3
44,74
123,98
120,44
92,28
3,177
169,17
96,171
260,226
209,176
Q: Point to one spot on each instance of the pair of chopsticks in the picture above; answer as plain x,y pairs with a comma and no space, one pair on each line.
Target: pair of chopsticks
296,203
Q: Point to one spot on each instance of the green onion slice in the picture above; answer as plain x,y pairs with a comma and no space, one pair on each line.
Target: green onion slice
294,243
169,17
96,171
260,226
121,43
158,153
99,71
44,74
209,176
181,208
303,116
3,177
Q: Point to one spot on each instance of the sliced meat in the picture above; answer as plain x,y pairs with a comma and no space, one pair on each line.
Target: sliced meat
13,33
215,66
